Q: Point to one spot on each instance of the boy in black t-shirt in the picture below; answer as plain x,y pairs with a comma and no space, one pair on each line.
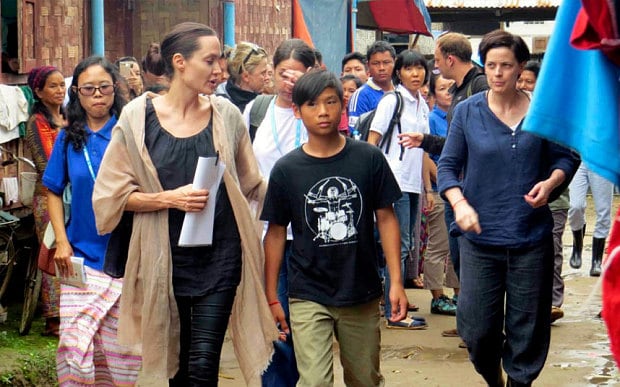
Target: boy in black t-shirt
330,189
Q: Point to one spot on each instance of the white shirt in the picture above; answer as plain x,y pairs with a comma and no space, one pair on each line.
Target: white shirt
279,133
414,118
13,111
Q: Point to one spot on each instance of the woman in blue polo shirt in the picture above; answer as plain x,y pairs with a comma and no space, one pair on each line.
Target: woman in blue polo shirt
87,351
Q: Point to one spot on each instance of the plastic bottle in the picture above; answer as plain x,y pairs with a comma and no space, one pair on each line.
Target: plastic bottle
357,135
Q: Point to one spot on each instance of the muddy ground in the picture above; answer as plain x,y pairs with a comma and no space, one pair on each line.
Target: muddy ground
579,354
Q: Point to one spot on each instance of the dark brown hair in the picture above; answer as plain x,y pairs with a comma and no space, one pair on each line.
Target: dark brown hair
500,38
152,61
182,39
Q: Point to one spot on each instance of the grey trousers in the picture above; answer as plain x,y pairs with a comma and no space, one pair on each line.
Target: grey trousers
559,223
602,193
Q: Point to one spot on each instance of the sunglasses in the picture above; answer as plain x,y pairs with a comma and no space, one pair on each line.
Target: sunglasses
255,50
89,90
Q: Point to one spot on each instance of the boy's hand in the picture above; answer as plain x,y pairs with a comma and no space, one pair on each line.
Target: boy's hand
398,299
278,315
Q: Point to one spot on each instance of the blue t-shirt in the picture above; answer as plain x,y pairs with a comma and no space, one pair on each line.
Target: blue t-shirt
438,123
81,230
365,99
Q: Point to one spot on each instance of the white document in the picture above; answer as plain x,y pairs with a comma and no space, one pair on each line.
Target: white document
78,279
197,227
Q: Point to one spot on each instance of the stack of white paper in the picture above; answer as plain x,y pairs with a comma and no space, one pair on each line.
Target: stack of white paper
197,227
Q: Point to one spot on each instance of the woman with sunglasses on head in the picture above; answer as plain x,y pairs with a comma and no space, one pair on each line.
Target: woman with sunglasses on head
178,300
48,116
247,67
88,352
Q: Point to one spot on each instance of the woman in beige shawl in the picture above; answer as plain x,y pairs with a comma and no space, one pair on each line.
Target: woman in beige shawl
176,300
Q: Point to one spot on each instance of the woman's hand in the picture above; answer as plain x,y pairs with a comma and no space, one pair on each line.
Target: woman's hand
290,77
411,139
466,217
135,83
188,199
62,258
539,195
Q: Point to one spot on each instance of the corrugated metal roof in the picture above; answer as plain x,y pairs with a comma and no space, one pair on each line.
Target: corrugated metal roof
491,3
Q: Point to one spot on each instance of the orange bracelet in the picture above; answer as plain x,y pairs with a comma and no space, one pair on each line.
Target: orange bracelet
272,303
458,201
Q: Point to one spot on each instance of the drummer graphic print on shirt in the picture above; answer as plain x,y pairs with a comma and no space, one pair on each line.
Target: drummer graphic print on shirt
332,210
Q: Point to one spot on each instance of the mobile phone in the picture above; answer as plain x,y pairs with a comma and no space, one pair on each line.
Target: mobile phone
125,68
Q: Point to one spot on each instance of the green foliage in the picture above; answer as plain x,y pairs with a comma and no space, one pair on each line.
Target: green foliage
26,360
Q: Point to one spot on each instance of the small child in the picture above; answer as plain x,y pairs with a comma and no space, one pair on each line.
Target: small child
350,83
329,190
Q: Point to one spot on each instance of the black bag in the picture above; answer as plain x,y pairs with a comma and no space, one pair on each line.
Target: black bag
363,124
257,113
118,247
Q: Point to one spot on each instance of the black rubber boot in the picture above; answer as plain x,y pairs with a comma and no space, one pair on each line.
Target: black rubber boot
575,258
598,246
495,379
513,383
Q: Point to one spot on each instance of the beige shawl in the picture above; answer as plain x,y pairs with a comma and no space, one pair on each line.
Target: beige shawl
148,311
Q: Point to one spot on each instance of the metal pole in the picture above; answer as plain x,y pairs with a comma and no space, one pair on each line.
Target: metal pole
353,23
98,29
229,23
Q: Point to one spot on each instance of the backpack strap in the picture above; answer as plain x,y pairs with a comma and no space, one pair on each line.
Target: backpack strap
257,113
386,140
469,90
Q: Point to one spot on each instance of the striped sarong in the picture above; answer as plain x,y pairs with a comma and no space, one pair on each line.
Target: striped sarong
88,353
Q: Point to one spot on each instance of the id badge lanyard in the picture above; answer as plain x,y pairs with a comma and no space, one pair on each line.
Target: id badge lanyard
274,129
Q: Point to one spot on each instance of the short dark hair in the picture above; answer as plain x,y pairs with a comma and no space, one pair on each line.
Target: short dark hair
533,66
432,82
318,56
351,77
295,49
501,38
182,39
355,55
310,85
380,46
410,58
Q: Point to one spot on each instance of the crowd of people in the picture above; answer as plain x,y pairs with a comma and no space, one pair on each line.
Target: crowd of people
317,226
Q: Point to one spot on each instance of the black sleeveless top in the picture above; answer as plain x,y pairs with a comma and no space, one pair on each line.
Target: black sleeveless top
197,271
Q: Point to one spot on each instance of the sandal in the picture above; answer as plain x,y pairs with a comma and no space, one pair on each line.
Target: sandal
407,323
412,308
418,283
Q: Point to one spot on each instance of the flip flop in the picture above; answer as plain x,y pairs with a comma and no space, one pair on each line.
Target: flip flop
407,323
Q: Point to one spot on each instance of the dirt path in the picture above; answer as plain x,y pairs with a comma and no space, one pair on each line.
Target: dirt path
579,354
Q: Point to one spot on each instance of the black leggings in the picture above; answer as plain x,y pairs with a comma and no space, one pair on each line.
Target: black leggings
203,325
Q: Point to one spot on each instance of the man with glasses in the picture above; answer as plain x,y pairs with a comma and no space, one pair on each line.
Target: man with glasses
381,57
